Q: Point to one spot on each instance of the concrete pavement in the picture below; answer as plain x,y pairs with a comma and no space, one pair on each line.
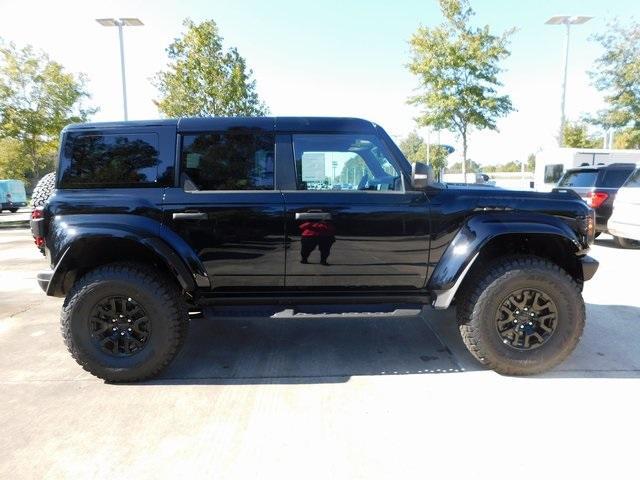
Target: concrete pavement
257,395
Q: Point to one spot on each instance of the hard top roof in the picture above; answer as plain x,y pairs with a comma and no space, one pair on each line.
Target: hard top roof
284,124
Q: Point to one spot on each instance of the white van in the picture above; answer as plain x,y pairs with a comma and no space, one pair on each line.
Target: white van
553,162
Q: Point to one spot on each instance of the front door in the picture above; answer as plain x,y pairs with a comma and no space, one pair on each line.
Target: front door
227,208
351,224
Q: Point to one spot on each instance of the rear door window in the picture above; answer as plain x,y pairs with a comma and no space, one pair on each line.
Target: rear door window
579,178
614,178
110,160
634,180
228,161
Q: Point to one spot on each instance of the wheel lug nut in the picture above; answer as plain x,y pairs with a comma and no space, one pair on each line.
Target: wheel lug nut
121,316
129,320
114,329
129,329
121,333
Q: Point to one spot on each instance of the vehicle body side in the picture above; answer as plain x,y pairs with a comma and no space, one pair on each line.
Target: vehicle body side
444,232
625,219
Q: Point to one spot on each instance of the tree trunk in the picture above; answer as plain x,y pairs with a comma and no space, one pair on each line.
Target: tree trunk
464,156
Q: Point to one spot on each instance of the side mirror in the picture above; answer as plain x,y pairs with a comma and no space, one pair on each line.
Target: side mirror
421,175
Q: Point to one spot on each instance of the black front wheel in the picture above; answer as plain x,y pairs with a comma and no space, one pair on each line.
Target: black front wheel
124,322
521,315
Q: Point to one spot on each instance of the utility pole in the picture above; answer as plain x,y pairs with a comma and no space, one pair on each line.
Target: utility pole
567,21
121,22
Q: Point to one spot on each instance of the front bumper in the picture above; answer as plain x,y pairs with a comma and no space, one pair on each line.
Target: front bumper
624,230
589,267
11,205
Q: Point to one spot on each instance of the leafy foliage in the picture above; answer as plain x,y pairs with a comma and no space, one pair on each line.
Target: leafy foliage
627,138
458,66
575,135
617,73
204,79
37,99
414,149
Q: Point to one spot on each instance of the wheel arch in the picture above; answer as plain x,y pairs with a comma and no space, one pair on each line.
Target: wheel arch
486,237
88,252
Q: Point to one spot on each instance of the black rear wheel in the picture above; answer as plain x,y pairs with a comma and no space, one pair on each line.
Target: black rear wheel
124,322
520,315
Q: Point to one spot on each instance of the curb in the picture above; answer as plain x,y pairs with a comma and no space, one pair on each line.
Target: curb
15,224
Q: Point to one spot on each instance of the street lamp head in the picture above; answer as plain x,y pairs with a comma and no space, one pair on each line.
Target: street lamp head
107,22
131,22
120,22
568,20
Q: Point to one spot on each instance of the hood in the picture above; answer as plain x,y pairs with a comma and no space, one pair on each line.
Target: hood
559,203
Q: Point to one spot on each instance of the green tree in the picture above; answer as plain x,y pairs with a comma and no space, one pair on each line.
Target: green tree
531,163
575,135
627,138
37,99
617,74
204,79
13,164
414,149
472,167
458,66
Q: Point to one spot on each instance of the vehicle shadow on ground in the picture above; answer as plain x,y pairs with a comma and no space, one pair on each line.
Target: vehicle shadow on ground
606,241
306,349
231,350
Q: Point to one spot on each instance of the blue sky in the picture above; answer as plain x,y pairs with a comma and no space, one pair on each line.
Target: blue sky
344,58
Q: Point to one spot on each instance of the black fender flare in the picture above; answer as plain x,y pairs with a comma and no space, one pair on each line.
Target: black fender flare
477,232
78,236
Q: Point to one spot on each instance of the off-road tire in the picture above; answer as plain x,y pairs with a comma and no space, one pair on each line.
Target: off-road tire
483,293
44,188
162,302
622,242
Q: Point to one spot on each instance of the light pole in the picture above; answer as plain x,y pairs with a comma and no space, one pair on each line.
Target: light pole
567,21
121,22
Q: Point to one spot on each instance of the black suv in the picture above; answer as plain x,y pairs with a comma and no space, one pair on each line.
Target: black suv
597,185
152,220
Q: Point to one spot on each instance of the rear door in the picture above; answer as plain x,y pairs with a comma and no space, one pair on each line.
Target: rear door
351,224
226,206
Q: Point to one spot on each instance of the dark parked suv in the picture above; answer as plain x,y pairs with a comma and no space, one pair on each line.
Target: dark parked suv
150,220
598,186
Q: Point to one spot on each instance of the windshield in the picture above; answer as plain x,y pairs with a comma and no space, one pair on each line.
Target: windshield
579,178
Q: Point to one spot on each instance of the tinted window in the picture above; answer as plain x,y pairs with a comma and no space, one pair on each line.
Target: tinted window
614,178
111,160
579,178
344,162
634,180
238,161
552,173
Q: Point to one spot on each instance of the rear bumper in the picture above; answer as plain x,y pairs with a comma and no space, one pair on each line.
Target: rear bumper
44,279
589,267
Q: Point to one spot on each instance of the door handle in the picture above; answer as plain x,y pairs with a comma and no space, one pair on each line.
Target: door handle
313,216
190,216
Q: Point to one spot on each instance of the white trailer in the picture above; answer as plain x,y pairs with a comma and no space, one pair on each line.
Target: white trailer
553,162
